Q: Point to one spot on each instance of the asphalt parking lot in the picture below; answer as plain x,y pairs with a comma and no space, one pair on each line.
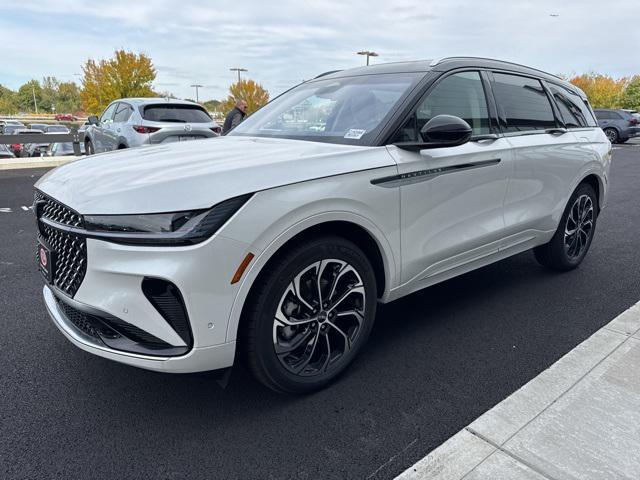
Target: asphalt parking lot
436,361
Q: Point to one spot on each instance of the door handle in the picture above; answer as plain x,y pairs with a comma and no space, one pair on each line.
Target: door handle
488,136
556,131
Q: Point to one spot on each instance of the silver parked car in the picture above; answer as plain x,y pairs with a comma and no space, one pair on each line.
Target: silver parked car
132,122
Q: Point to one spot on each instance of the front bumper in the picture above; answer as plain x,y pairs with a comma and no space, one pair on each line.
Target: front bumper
112,287
198,359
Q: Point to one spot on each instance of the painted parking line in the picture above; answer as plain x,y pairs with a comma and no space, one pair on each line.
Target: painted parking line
571,421
22,208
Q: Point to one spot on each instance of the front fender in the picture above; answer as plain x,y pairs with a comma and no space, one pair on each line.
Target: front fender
376,210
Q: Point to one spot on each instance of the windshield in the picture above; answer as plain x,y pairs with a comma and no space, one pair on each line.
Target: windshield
349,110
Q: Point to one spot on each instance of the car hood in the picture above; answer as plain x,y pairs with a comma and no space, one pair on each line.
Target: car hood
198,174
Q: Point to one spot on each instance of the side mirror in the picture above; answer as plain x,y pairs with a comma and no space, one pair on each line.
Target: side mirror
440,131
446,131
93,120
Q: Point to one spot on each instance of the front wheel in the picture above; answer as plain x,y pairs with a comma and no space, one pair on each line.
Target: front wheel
310,315
572,240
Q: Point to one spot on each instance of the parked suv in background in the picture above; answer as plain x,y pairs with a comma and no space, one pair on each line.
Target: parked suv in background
131,122
618,125
280,239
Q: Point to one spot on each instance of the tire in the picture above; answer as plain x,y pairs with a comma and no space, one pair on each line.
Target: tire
566,250
315,344
88,148
612,135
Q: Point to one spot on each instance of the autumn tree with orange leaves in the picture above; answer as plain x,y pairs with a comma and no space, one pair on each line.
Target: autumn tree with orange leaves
603,91
126,74
251,92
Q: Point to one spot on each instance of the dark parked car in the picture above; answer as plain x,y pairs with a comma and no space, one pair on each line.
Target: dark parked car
56,129
39,126
10,129
619,125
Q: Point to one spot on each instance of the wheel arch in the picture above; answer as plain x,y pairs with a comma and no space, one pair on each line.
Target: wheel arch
358,232
596,183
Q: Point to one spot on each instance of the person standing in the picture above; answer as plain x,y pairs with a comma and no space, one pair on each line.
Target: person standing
235,116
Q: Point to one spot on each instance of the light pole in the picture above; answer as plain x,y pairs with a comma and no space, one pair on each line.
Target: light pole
33,91
238,69
368,53
197,86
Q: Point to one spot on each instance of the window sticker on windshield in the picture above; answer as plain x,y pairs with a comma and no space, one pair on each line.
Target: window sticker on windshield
355,133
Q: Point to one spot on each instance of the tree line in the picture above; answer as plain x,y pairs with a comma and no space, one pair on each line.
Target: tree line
125,74
128,74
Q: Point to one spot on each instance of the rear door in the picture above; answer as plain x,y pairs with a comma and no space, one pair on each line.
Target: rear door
547,158
451,198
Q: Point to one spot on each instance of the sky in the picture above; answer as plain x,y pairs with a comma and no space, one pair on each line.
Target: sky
282,43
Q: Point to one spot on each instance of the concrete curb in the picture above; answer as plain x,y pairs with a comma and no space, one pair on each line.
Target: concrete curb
577,419
16,163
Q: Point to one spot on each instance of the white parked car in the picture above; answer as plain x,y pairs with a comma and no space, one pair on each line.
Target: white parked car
133,122
277,241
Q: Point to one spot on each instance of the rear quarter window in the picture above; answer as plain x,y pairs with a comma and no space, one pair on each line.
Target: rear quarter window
574,110
175,113
523,103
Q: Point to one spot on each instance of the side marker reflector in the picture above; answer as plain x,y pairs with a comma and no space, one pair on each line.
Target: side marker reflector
243,266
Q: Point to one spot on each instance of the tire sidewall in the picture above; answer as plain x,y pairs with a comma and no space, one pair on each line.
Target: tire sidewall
268,301
583,189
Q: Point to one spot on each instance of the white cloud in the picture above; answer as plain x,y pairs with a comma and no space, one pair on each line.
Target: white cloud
284,42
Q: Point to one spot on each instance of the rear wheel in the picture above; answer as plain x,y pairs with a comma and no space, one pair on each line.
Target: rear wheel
572,240
310,315
612,134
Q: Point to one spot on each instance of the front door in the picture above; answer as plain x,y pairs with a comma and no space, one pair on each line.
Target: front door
451,198
101,133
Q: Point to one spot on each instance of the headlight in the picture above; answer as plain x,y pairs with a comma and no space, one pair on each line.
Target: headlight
175,228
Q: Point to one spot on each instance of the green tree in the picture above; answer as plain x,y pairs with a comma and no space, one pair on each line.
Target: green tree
251,92
126,74
26,94
68,98
631,94
212,105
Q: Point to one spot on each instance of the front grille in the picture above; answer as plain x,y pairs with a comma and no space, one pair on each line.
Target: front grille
69,251
116,333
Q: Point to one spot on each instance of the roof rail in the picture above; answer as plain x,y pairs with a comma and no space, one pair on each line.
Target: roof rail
440,60
327,73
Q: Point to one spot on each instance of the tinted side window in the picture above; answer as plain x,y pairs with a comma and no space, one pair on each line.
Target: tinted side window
460,94
574,111
108,113
123,113
523,103
615,115
602,115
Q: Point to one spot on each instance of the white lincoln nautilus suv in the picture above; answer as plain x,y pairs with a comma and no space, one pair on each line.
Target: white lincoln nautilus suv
277,241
